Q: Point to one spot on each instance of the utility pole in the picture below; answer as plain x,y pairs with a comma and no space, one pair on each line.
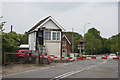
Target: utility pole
84,36
72,40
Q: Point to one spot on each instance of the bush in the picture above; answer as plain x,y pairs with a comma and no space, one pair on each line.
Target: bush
68,54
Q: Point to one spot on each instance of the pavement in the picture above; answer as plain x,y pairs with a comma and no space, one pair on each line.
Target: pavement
98,68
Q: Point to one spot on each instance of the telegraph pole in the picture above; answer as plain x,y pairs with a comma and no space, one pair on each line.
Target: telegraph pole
84,36
72,40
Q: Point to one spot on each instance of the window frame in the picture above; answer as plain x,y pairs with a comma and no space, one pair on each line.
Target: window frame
62,43
56,35
51,39
65,50
47,36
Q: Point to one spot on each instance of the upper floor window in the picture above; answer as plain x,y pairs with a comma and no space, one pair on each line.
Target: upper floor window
52,35
47,35
56,36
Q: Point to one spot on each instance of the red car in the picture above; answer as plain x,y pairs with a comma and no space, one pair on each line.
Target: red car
21,54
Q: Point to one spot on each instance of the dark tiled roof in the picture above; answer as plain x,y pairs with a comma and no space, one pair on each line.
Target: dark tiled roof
40,22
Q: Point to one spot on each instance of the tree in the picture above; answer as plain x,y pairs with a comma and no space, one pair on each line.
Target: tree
95,32
114,43
12,41
93,45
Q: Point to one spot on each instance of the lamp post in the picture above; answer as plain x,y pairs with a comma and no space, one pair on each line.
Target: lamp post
84,36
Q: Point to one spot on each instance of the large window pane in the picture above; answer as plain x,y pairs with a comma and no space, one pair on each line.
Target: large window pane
47,35
58,35
54,35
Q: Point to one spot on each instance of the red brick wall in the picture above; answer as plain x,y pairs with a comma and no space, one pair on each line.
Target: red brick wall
68,46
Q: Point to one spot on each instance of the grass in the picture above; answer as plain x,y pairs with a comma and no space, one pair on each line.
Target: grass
39,65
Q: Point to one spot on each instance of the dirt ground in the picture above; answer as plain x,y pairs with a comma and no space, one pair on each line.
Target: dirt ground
16,68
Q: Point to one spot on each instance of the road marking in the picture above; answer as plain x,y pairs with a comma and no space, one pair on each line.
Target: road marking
25,71
32,70
52,66
76,71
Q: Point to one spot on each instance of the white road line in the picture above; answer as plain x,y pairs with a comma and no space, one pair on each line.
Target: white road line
52,66
76,71
25,71
32,70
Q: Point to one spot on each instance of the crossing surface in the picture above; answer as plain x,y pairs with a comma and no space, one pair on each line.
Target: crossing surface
98,68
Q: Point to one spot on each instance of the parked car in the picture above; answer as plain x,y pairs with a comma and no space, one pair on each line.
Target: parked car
32,53
111,56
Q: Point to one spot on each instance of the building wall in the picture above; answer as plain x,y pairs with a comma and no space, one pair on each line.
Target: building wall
53,48
50,25
32,40
68,46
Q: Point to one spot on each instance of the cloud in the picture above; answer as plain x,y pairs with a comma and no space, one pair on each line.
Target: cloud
60,0
102,16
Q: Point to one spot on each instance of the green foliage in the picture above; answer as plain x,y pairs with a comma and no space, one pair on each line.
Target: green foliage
95,32
95,44
92,45
115,43
68,54
12,40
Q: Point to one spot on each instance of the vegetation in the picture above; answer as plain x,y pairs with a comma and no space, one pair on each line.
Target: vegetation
95,44
12,40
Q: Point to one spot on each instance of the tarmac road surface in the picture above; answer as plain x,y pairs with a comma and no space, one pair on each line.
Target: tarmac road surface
97,68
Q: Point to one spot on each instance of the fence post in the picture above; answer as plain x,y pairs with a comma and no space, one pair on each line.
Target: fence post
4,58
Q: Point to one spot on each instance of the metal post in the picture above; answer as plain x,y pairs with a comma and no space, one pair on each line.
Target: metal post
84,36
72,40
80,51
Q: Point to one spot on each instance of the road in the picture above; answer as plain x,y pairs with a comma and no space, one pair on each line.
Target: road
97,68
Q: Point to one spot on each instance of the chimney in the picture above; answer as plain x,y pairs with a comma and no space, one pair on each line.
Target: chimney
11,28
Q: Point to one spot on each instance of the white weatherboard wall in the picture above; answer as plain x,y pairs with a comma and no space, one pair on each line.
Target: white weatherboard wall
32,40
50,25
53,48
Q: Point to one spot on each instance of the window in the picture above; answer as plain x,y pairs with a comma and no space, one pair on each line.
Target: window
47,35
54,36
58,35
64,50
63,43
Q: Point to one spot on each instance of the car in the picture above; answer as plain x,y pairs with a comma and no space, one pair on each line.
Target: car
111,56
20,56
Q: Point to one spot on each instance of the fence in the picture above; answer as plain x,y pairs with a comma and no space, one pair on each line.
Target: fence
10,58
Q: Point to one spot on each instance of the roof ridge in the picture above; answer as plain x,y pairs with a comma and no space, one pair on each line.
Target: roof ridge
40,22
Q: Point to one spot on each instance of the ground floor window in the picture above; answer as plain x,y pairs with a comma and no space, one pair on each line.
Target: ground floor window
64,50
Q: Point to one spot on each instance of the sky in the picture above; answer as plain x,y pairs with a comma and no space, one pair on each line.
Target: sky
101,15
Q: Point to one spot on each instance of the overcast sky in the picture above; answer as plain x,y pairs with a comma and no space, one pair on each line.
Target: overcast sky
24,15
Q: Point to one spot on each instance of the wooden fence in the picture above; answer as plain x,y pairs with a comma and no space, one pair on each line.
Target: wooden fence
10,58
